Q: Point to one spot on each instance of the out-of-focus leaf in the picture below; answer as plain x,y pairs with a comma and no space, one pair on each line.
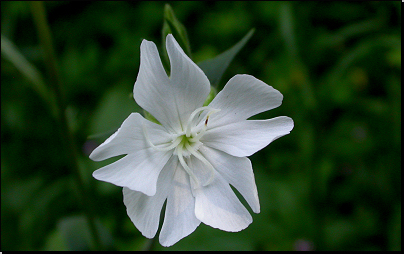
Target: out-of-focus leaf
287,27
337,232
76,233
35,216
211,96
113,109
11,53
55,242
325,172
362,49
214,68
150,117
394,56
20,193
348,32
102,135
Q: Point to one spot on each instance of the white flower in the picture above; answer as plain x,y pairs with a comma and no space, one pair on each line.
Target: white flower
197,152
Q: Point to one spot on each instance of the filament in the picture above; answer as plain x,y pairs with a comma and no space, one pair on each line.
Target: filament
187,143
205,161
192,116
185,166
174,144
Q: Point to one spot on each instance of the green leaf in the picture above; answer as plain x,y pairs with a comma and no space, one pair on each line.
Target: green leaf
10,52
115,106
215,67
76,234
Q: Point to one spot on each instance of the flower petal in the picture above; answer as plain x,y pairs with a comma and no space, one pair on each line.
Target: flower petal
179,220
189,85
137,171
129,138
247,137
216,205
153,87
144,211
237,171
242,97
141,162
169,100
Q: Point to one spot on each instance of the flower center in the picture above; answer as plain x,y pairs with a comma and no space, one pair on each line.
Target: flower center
186,143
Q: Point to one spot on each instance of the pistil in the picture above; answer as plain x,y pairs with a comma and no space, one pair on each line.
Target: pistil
187,143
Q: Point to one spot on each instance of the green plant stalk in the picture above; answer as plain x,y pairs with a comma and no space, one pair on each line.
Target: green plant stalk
44,34
149,244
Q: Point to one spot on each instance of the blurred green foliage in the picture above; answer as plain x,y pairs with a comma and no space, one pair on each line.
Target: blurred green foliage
334,183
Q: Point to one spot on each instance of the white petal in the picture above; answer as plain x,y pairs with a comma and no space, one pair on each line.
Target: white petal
216,205
169,100
237,171
129,138
242,97
247,137
144,211
140,169
137,171
189,85
152,90
179,220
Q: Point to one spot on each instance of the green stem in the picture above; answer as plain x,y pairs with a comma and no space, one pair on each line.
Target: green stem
149,244
44,34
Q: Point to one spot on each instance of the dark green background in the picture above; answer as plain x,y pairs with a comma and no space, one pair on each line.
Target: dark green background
333,183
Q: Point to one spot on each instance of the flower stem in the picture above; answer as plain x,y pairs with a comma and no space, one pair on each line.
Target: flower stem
45,38
148,246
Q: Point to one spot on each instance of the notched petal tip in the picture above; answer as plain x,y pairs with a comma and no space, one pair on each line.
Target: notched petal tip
244,96
98,153
170,37
93,156
145,42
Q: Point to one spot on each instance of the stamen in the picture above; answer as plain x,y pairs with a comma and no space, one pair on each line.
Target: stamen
205,161
196,137
191,117
185,166
184,143
199,135
167,148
